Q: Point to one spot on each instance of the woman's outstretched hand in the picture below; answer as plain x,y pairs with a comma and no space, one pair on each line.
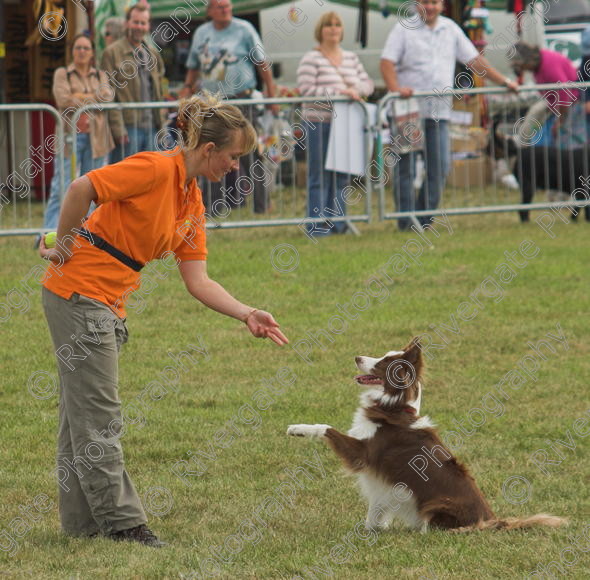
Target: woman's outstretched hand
262,325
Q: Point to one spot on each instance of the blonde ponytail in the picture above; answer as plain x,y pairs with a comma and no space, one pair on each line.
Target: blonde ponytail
204,118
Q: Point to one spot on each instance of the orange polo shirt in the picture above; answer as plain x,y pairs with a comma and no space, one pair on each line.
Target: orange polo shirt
145,212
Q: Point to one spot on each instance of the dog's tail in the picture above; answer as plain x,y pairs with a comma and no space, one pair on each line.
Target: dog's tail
514,523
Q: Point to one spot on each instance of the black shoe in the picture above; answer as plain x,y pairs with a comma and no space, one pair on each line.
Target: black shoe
141,534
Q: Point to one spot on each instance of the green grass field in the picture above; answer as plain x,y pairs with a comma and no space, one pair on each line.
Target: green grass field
222,482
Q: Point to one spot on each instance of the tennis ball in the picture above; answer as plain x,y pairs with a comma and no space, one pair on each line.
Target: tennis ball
50,239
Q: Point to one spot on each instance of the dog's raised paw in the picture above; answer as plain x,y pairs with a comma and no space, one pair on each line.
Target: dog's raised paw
308,430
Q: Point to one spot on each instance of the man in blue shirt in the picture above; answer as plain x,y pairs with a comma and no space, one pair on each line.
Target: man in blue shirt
225,55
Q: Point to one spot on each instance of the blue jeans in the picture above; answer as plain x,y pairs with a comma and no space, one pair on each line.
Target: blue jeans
139,140
324,187
85,163
437,161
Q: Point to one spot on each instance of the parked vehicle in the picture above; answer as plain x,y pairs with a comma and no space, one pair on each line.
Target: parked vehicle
566,21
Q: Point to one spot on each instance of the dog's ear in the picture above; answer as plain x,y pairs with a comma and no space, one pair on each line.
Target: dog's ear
413,352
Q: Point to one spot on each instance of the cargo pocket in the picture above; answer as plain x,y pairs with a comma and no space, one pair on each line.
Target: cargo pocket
101,328
121,333
101,366
99,491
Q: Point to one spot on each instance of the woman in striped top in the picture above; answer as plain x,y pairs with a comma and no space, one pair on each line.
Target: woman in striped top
328,70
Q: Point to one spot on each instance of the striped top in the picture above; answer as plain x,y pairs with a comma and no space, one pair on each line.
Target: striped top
317,76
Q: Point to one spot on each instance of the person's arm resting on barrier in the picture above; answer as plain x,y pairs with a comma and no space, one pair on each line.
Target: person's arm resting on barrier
265,71
389,74
481,67
213,295
192,76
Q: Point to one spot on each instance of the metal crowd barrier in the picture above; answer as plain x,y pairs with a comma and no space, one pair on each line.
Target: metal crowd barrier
25,154
489,165
280,165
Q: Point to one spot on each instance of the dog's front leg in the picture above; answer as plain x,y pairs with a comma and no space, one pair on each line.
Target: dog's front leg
377,518
352,451
308,430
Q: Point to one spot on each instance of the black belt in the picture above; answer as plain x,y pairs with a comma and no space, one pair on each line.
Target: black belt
103,245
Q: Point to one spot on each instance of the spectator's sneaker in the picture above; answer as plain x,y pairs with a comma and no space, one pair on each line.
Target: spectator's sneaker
141,534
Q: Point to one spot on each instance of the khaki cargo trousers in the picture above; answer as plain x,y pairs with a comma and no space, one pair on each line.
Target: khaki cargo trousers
96,494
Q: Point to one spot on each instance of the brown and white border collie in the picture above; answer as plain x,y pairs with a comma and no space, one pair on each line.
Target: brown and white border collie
404,469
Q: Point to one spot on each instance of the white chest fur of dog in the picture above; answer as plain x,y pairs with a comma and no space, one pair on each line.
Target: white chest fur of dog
385,501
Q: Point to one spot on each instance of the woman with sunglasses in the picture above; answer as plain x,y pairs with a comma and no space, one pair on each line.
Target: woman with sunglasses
114,28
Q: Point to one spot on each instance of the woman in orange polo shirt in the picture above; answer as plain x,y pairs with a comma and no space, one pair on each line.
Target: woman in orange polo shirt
149,207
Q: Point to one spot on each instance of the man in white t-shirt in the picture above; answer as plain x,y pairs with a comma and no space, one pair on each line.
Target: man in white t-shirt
420,55
225,55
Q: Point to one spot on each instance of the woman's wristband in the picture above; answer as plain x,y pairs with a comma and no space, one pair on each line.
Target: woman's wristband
250,314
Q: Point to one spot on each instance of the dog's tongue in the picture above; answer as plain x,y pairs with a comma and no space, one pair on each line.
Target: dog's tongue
368,380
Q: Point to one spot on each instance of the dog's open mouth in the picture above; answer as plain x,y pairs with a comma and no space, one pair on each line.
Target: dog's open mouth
368,380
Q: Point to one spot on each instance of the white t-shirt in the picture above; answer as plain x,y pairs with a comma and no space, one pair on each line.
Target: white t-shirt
425,59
